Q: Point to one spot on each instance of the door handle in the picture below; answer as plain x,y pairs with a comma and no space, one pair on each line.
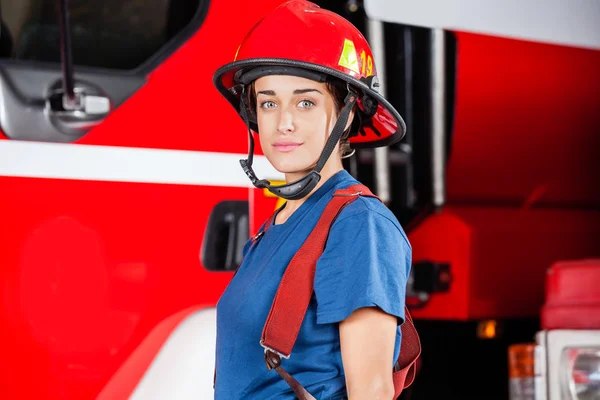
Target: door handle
45,117
90,108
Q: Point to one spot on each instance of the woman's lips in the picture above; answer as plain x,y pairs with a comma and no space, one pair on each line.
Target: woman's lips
286,147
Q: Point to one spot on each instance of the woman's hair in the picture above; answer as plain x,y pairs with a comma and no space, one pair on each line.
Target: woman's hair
337,90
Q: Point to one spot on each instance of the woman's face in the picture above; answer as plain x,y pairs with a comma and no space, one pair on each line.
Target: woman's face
295,117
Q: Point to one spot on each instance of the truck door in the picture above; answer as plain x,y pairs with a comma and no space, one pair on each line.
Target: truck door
110,166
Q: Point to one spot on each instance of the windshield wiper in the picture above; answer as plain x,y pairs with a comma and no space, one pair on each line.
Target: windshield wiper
71,101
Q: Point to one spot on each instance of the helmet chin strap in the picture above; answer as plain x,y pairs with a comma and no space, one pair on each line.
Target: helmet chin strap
302,187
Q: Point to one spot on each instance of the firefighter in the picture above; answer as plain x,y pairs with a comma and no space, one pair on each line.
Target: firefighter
305,81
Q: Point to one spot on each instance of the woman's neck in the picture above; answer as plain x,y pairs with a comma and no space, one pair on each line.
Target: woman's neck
291,206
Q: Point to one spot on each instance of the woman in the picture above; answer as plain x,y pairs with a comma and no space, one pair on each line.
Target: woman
305,81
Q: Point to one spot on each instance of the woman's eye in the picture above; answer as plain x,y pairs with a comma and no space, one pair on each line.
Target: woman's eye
306,104
267,104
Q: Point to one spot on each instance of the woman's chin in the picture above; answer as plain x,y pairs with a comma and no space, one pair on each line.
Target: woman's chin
290,164
292,168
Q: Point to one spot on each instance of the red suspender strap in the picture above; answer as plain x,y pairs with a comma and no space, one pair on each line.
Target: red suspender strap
296,287
295,291
410,350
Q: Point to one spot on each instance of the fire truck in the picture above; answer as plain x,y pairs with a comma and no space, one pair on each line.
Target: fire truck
123,208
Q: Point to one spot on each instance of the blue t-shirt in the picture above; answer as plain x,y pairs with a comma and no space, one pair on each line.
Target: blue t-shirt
366,262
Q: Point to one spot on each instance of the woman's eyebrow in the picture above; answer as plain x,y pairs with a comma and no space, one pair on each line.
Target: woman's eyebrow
297,91
266,92
302,91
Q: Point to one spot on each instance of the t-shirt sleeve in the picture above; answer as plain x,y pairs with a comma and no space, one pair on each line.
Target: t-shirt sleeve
365,263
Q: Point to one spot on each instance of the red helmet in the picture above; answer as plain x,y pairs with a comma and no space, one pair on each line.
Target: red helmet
299,38
303,37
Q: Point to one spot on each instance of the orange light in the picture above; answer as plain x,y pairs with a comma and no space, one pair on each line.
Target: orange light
487,329
520,360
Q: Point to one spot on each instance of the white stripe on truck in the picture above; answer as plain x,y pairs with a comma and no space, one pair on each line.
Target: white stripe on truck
127,164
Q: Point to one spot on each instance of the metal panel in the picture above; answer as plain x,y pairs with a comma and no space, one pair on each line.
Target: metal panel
573,23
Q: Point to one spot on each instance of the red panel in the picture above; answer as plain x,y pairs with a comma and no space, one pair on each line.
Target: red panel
526,123
499,256
525,135
445,238
88,269
572,295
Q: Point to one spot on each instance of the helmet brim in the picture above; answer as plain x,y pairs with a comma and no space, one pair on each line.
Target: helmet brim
380,123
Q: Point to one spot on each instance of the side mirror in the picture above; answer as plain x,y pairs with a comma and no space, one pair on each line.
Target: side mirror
227,230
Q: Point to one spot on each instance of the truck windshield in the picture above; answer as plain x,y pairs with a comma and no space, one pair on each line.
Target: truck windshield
115,34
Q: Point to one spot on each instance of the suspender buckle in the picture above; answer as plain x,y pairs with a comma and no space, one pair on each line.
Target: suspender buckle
272,357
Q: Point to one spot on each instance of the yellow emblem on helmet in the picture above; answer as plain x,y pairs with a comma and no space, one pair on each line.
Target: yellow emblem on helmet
348,58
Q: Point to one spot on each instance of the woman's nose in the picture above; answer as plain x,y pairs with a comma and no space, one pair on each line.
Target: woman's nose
286,122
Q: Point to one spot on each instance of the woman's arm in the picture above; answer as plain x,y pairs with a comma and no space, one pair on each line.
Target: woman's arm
367,339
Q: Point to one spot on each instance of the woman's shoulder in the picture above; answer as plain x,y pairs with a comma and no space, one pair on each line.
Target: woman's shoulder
369,212
364,207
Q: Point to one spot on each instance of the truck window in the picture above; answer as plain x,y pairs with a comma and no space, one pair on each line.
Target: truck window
115,44
116,34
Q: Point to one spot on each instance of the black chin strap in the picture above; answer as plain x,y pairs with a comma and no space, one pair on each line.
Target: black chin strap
303,186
